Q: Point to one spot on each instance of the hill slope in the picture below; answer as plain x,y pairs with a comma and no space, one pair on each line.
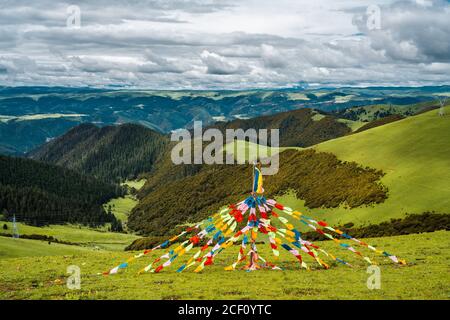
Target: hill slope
196,196
14,248
299,128
110,153
40,193
380,122
413,152
372,112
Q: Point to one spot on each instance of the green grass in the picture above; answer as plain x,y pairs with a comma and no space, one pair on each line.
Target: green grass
14,248
121,207
137,184
353,125
318,117
425,277
343,99
297,96
244,151
414,153
76,234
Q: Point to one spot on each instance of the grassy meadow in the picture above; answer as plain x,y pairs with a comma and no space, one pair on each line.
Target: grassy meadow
17,248
425,276
121,207
86,237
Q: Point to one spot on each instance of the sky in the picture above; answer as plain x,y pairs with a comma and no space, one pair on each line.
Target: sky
224,44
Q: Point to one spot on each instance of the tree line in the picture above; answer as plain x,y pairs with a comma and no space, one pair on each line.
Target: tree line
41,194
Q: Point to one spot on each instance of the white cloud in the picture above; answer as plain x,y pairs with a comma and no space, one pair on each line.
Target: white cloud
271,57
223,44
219,65
414,31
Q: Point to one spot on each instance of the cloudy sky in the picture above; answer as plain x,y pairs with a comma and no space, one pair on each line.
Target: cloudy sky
228,44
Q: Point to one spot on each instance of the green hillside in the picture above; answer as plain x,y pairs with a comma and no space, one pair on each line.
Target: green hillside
14,248
122,206
380,122
413,152
83,236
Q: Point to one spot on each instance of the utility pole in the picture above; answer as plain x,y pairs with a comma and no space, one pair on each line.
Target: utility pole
441,109
15,229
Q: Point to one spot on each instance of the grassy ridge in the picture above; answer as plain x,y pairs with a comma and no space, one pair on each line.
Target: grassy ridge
413,152
380,122
425,277
373,112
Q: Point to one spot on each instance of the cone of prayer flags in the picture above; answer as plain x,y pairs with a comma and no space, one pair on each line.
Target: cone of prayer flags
199,244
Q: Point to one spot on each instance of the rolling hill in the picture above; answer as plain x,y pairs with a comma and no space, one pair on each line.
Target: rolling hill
380,122
14,248
112,153
370,113
193,197
299,128
413,152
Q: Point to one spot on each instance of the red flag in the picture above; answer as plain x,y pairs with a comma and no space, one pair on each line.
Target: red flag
209,261
279,206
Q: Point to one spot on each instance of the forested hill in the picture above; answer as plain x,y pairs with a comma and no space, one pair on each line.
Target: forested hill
40,194
298,128
197,194
111,153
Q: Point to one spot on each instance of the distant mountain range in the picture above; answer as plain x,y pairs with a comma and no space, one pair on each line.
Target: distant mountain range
30,116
